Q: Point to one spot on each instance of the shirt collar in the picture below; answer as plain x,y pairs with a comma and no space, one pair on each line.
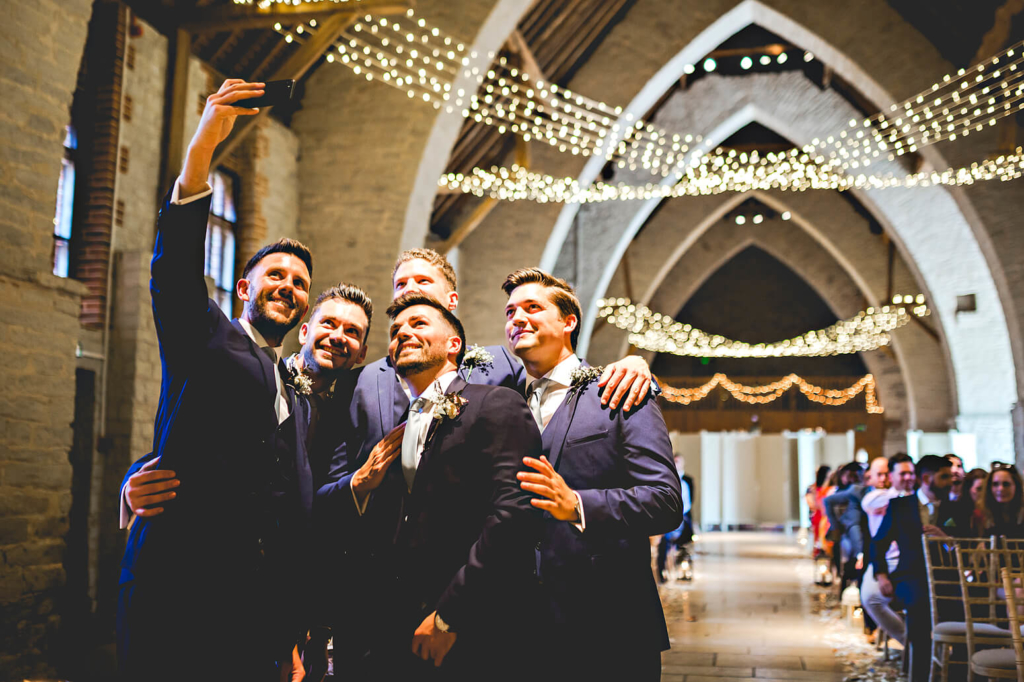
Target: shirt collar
257,338
560,373
924,498
441,382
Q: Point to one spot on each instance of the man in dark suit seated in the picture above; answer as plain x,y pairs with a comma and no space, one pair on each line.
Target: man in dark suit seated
207,588
453,529
607,483
927,512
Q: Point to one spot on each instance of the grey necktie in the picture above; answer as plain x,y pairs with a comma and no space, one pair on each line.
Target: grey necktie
534,396
411,437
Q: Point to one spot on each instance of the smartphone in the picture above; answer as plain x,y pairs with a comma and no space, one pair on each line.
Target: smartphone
274,93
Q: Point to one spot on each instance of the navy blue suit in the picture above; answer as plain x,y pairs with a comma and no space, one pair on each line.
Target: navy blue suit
218,560
461,542
605,612
371,403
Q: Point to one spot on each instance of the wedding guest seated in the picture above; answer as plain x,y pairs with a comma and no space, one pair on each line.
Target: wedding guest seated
1000,511
972,489
957,467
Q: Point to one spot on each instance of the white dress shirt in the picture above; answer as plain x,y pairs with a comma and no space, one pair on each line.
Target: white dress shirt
560,378
418,423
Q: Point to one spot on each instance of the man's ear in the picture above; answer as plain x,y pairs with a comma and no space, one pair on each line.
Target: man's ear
303,332
571,322
454,345
453,300
242,289
362,355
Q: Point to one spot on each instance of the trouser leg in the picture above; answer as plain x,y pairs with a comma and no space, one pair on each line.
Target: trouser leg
880,607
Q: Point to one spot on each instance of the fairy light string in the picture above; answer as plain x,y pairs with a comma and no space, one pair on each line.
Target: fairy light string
768,393
866,331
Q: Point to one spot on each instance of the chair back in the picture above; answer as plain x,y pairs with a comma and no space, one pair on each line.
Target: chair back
1011,583
944,591
980,587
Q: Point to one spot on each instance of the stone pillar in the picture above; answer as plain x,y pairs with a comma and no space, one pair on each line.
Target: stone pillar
711,479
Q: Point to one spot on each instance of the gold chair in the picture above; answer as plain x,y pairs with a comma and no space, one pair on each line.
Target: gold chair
980,584
1011,583
944,589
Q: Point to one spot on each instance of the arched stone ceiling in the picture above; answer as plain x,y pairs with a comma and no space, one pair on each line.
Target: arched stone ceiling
665,279
791,105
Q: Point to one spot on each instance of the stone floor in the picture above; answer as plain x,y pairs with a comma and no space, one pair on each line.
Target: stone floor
750,612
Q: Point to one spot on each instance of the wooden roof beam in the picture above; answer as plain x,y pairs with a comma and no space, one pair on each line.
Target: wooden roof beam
232,17
294,68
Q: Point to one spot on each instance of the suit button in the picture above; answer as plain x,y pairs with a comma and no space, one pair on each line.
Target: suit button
407,517
537,547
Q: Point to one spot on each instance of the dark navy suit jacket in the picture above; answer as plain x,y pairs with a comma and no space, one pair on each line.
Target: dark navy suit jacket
246,494
599,583
375,404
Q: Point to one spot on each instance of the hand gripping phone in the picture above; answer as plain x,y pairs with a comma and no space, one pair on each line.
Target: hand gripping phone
274,93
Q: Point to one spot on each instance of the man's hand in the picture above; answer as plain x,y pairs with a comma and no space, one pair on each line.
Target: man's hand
560,499
884,585
149,486
934,531
632,376
215,125
368,477
431,644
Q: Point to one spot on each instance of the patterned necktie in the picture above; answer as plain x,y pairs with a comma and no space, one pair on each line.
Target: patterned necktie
411,437
534,395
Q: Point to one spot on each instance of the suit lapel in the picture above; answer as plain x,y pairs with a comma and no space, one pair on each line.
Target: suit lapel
557,430
386,380
265,364
302,414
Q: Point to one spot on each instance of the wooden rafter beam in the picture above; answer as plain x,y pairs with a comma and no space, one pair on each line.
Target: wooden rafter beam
294,68
530,65
232,17
995,38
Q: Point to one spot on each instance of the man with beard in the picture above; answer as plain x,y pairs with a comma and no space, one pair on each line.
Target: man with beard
927,512
378,401
454,530
207,588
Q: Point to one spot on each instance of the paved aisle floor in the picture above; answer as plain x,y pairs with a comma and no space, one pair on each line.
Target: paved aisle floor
747,614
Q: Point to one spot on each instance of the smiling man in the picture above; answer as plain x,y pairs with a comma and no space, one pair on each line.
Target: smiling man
233,429
452,527
606,481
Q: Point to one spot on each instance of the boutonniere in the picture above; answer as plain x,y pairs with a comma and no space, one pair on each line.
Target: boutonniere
448,405
302,384
581,376
476,356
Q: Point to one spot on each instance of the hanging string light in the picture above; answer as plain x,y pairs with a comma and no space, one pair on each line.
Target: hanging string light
730,172
407,53
867,330
266,4
761,395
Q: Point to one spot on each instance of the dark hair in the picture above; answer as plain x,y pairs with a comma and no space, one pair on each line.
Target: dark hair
823,471
851,468
350,293
930,464
280,246
414,299
432,257
898,458
965,498
562,294
951,456
992,512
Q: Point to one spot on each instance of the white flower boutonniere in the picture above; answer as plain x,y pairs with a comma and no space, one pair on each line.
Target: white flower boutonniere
449,405
476,356
583,375
303,384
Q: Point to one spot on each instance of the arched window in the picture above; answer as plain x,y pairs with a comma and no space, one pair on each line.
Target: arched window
220,239
65,206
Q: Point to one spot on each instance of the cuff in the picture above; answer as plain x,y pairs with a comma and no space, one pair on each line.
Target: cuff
361,508
176,194
581,525
126,513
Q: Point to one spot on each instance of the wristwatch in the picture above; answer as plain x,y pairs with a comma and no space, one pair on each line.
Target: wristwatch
440,624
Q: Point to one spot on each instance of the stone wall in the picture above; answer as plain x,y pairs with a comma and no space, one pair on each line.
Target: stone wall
41,46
